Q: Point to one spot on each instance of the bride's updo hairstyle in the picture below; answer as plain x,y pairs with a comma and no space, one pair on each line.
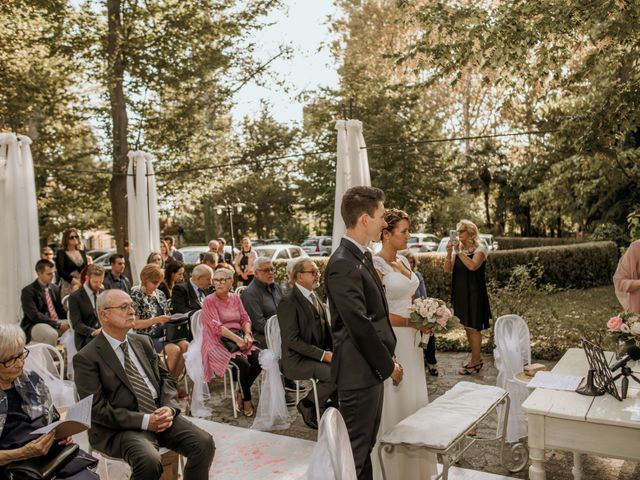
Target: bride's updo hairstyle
393,216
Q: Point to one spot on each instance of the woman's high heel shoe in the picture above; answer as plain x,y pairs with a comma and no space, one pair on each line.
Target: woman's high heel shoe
469,369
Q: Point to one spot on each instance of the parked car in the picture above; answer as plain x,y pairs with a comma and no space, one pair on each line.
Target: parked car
191,254
317,246
283,251
492,244
101,252
442,246
422,242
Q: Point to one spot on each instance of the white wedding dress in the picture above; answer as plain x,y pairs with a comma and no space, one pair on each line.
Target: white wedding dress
403,400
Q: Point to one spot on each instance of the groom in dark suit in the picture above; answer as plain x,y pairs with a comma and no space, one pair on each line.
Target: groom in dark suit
133,408
363,340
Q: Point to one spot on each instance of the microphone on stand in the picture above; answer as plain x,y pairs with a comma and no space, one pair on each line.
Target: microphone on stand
633,353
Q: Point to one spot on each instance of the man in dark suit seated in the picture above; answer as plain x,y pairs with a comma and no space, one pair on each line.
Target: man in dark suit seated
306,337
44,316
133,408
187,297
116,278
82,307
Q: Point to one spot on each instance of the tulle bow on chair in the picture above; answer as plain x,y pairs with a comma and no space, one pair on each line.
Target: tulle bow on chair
193,364
332,457
512,352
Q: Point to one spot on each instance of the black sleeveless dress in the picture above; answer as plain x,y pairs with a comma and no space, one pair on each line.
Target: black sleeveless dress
469,295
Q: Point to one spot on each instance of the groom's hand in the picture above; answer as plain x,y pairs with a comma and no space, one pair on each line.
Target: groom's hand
396,375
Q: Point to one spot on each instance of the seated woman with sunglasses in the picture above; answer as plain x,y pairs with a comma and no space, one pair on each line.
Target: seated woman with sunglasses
71,260
152,313
227,337
25,406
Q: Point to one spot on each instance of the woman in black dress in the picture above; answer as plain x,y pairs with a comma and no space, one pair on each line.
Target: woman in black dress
71,260
466,259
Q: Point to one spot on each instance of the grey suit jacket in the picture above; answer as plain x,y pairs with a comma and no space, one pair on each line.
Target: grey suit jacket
115,408
304,340
363,340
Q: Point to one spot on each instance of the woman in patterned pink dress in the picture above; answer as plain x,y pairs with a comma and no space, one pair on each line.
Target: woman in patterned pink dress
227,337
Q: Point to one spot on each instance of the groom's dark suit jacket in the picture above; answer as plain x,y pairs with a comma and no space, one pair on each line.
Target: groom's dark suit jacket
363,340
115,408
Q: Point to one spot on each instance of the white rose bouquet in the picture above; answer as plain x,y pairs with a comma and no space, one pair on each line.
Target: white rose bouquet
433,313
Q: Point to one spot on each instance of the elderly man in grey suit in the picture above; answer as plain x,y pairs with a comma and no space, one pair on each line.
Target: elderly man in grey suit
363,340
306,337
133,398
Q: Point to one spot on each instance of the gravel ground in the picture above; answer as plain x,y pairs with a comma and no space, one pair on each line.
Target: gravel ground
484,456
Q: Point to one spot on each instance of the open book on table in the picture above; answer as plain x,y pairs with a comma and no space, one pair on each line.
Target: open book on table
78,419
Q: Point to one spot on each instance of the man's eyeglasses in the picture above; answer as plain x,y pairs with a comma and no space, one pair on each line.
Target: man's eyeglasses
312,272
123,308
11,362
265,270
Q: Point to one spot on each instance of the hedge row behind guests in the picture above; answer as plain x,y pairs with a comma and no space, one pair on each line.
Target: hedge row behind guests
173,274
44,316
189,296
244,262
227,337
116,277
82,307
152,313
261,298
133,408
25,406
466,260
70,262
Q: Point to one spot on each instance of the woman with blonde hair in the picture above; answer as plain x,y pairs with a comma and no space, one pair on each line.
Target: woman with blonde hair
466,260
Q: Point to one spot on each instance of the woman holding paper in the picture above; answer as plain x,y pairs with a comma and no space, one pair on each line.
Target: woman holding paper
25,406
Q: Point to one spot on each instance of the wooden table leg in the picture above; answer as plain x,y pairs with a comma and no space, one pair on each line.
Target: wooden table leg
536,446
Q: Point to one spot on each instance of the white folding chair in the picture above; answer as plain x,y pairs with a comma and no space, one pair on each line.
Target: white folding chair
332,457
512,353
238,291
68,340
274,343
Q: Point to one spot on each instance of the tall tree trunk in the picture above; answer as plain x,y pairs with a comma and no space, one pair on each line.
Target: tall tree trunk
120,146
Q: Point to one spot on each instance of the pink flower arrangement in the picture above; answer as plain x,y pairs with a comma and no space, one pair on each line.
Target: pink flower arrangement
625,326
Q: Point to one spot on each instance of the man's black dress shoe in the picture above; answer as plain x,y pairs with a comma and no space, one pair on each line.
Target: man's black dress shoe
308,415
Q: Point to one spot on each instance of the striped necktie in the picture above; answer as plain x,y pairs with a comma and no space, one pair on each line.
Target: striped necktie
52,309
146,403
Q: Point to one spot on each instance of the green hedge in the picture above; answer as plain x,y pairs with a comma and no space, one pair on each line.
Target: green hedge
513,243
581,265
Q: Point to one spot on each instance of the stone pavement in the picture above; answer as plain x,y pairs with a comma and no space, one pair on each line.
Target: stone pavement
482,456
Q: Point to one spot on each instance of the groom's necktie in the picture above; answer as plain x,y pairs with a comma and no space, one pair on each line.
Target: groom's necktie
146,403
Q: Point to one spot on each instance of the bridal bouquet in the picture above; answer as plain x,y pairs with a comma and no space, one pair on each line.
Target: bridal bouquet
433,313
625,326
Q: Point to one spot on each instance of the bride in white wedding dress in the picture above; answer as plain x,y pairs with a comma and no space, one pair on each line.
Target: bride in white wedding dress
402,400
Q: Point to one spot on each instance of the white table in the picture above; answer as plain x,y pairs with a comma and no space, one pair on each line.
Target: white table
570,421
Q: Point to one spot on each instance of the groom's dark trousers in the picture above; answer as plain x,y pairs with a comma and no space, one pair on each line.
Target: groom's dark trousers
363,346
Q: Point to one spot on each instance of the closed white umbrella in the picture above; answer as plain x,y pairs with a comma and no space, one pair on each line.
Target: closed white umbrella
142,203
19,232
352,169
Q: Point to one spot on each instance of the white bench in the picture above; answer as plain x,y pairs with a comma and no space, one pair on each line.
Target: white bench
447,426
